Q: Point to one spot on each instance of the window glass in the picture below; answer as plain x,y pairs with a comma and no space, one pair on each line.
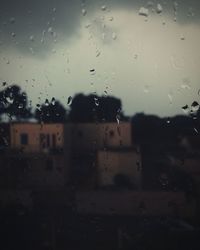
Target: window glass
24,139
99,124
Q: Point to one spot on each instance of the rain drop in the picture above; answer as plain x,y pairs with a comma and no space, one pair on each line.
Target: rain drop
50,30
159,8
12,20
20,106
182,38
118,118
170,98
103,7
84,12
31,38
98,53
13,34
46,102
186,109
53,101
114,36
195,106
69,100
143,12
92,71
96,101
9,99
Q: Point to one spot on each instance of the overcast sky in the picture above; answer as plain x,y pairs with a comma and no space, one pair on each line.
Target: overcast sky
148,57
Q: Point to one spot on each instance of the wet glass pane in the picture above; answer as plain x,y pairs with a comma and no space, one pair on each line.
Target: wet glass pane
99,124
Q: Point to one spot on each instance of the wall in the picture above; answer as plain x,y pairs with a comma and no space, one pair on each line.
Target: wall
111,163
33,131
91,136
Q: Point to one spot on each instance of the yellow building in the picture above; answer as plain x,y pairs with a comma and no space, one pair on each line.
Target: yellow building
89,136
33,137
113,163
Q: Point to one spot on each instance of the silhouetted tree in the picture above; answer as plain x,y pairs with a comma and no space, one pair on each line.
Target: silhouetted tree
14,102
93,108
51,112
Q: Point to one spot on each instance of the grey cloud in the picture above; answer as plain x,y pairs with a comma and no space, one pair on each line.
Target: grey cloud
31,18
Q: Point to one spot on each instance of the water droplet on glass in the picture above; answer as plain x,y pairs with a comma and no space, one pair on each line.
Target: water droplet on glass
143,12
46,102
9,99
54,9
105,92
159,8
92,71
31,38
118,118
98,53
182,38
84,12
175,6
53,101
50,30
199,92
13,34
146,89
96,101
12,20
114,36
20,106
170,98
186,109
111,19
103,7
69,100
4,83
196,130
195,106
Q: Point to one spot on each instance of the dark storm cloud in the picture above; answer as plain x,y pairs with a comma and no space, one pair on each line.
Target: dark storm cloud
23,22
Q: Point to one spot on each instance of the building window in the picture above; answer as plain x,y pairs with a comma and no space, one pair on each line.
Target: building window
24,139
111,133
48,140
42,140
54,141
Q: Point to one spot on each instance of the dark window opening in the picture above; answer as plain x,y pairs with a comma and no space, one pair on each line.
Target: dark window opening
54,140
111,133
24,139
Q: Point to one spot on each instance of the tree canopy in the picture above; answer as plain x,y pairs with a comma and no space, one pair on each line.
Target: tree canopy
14,102
94,108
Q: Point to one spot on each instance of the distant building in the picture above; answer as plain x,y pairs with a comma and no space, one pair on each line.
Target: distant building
91,136
87,154
101,151
114,164
33,137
